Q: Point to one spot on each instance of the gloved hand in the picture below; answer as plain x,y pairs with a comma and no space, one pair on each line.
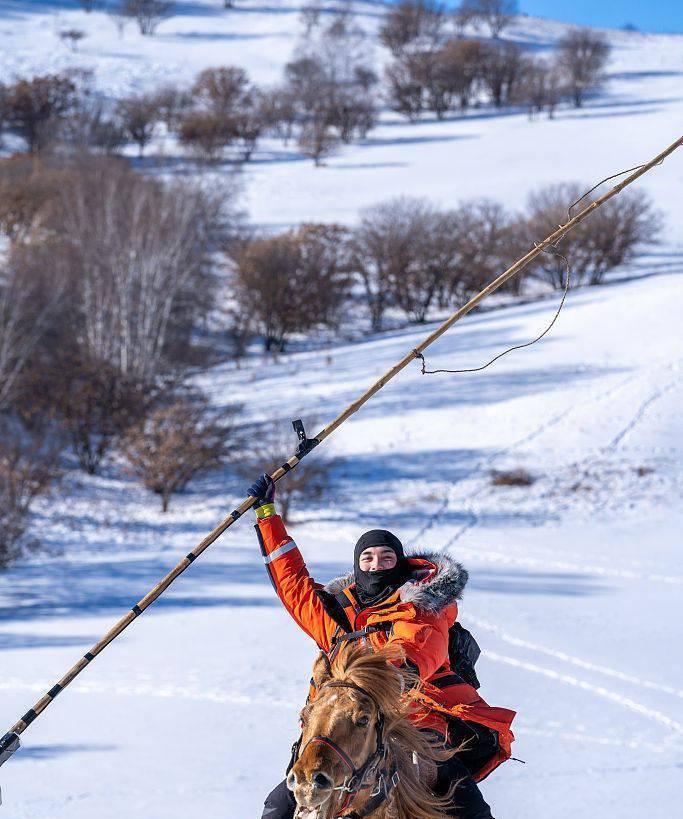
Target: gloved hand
263,490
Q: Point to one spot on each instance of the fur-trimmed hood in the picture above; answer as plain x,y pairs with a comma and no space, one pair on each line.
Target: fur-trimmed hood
429,589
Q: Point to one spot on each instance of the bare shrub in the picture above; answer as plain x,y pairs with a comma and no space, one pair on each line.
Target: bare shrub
178,442
293,282
90,5
582,55
139,116
609,238
512,477
34,105
497,14
488,238
26,183
270,446
206,134
94,402
501,71
28,466
417,23
316,137
147,13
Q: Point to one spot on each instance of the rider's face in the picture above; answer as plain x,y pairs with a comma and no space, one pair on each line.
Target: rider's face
376,558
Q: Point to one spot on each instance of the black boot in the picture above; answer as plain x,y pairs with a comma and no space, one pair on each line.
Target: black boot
468,803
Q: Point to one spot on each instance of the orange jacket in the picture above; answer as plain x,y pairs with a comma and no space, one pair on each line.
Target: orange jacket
417,617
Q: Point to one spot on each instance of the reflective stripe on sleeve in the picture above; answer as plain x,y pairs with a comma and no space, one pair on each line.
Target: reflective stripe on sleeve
281,550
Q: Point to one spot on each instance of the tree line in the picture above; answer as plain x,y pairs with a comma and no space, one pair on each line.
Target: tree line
330,92
408,257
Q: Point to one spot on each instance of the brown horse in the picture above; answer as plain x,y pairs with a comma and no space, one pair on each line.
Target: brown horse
359,755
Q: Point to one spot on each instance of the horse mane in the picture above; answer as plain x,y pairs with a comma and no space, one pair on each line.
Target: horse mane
376,673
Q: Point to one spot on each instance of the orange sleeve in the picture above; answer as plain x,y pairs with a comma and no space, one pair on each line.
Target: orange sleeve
292,582
424,641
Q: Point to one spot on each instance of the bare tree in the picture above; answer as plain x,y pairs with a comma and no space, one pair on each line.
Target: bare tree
611,237
27,306
501,71
487,239
582,55
330,85
405,89
222,90
412,23
33,105
138,254
28,466
147,13
90,5
497,14
139,116
317,138
93,125
541,88
457,68
178,442
293,282
172,103
279,112
382,251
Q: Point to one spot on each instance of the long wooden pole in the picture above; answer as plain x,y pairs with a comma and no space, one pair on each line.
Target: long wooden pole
10,742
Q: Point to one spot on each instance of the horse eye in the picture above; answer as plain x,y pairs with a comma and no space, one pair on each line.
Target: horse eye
361,722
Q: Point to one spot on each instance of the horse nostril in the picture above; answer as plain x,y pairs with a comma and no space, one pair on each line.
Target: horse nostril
322,781
291,780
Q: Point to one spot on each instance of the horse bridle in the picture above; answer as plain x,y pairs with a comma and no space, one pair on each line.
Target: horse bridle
355,782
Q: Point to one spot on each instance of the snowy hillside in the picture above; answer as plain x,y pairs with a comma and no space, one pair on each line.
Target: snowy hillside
576,581
480,155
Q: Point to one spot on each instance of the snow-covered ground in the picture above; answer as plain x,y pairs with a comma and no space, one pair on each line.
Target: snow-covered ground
576,583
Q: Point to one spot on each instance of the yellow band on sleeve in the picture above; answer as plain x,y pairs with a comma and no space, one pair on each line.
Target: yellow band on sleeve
265,511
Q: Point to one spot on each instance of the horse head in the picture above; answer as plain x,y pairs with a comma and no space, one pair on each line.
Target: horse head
356,747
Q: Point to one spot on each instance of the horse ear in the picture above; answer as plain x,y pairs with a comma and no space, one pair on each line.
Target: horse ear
322,671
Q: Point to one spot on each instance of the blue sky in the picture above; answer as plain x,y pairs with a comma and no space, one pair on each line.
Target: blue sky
647,15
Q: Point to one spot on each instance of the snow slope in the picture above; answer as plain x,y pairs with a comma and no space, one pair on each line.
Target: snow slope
575,594
575,591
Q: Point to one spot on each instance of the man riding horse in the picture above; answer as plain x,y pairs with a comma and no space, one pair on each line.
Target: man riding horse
410,602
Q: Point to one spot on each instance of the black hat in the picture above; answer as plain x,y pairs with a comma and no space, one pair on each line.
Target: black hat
378,537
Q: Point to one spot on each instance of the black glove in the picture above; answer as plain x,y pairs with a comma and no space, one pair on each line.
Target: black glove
263,490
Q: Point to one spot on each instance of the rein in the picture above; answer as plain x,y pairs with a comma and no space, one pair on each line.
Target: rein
355,783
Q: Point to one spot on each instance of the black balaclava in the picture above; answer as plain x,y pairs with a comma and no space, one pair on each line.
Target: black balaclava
373,587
